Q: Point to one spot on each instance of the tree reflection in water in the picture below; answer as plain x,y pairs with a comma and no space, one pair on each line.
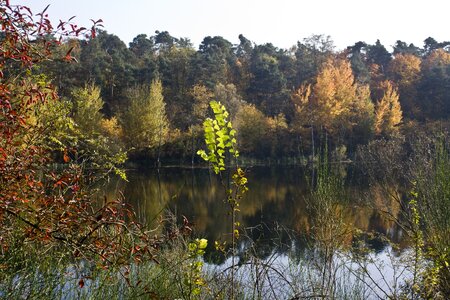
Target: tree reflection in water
274,212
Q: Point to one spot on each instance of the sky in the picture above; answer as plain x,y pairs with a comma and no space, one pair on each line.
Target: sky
280,22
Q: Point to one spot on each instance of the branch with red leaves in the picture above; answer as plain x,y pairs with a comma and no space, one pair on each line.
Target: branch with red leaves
42,206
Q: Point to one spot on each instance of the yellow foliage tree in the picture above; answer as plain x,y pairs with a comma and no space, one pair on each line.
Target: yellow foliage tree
252,127
404,70
202,96
145,123
303,106
438,57
277,127
388,114
335,102
334,92
87,106
112,128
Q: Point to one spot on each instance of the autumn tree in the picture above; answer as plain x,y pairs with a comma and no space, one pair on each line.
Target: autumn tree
87,106
46,213
335,103
333,93
228,96
337,97
202,96
404,70
252,127
304,116
388,113
144,121
361,118
278,131
98,140
77,123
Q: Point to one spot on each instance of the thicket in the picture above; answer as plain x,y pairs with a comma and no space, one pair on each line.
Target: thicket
55,239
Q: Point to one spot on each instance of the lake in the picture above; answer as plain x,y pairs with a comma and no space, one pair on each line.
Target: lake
277,246
275,206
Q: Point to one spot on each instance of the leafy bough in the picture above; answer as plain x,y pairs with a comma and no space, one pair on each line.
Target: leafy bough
221,145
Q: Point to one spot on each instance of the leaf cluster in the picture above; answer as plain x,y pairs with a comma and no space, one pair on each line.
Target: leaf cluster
219,138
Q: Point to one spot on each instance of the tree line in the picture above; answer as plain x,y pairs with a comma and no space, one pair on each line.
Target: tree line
155,91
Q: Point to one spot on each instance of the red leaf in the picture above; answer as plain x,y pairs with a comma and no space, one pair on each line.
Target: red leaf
22,121
3,157
68,57
66,157
81,283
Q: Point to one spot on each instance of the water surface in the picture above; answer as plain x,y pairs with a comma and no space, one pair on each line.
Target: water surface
275,206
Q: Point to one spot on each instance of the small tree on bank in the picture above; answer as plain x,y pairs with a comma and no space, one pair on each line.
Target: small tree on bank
145,122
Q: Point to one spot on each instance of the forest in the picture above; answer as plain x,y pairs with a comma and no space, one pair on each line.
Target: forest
79,107
152,96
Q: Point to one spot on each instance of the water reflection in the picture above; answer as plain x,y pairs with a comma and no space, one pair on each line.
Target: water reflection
276,200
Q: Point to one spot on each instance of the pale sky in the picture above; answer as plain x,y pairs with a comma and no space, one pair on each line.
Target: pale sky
281,22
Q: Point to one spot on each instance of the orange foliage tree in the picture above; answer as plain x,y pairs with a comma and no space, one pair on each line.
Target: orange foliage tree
335,103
